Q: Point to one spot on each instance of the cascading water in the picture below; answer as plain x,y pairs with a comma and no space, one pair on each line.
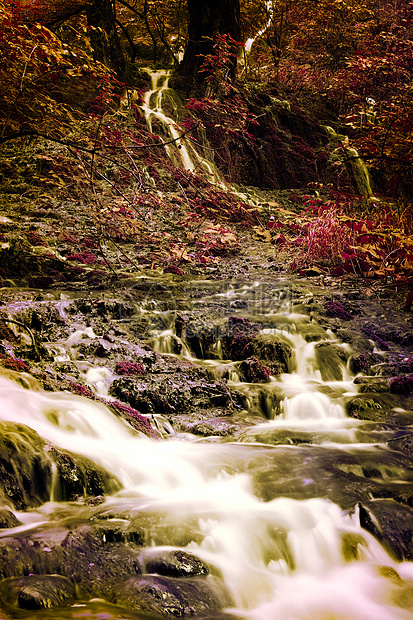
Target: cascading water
179,149
360,170
252,509
249,43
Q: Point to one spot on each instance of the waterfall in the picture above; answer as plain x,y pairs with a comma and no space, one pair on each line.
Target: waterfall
249,43
343,152
360,172
179,149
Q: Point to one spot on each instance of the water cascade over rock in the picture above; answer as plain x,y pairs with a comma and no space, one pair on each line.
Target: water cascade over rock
264,499
180,149
342,151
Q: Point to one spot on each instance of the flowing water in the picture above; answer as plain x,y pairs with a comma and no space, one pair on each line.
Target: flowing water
179,148
346,153
261,510
269,510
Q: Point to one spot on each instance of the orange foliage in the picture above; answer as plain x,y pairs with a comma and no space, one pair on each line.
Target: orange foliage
43,80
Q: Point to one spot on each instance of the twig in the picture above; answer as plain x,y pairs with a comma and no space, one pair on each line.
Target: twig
26,327
105,259
25,68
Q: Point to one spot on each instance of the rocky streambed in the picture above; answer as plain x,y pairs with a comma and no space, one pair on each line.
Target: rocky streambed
198,447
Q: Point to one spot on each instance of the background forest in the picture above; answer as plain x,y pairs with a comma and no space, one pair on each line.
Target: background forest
310,97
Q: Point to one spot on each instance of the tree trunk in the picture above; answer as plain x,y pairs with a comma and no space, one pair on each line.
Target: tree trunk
206,19
104,37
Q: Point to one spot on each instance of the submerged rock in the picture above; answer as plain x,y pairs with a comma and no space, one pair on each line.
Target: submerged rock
342,477
330,361
31,470
173,597
8,519
36,592
392,524
403,444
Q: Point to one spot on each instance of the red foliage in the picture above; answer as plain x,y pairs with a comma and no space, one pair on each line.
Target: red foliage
129,368
13,363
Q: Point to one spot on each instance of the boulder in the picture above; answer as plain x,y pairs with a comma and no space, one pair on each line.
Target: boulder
238,337
392,524
170,394
270,349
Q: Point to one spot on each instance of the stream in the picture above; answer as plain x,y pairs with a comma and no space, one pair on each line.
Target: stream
216,449
272,510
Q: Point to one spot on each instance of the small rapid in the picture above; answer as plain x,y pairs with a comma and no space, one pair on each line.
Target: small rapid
265,508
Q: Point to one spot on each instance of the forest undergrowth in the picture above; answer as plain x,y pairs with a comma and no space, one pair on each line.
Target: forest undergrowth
95,193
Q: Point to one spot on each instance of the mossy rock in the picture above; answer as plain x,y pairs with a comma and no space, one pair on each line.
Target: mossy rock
27,464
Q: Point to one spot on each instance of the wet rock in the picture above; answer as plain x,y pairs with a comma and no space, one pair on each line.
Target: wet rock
380,343
103,349
312,332
117,531
170,394
95,501
174,563
350,545
26,470
172,597
201,335
378,407
78,476
359,343
374,387
330,361
238,338
180,324
253,372
36,592
8,519
270,349
365,409
164,529
95,556
392,524
358,363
